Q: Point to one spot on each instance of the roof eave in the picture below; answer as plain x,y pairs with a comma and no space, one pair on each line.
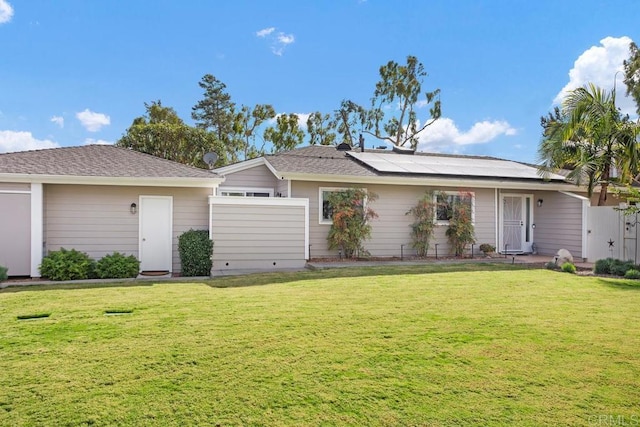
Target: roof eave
426,181
212,182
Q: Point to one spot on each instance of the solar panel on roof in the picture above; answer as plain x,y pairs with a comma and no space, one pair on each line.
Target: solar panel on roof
442,165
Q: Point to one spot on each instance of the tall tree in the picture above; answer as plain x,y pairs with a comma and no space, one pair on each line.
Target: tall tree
632,74
160,132
590,137
216,113
321,129
286,135
246,124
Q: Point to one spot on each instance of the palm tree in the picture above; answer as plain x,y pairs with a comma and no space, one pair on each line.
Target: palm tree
591,138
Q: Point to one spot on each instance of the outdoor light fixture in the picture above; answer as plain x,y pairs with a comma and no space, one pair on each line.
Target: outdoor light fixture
133,208
540,202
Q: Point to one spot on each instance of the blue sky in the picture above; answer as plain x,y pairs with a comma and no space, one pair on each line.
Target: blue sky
74,72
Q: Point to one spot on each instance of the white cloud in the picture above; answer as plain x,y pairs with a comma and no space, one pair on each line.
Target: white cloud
443,134
599,65
277,41
59,120
302,120
11,141
91,141
91,121
262,33
6,12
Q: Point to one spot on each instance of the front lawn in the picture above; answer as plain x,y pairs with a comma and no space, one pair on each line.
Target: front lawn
381,346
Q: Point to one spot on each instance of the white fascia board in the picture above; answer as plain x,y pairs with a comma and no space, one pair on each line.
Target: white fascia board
577,196
101,180
240,166
432,182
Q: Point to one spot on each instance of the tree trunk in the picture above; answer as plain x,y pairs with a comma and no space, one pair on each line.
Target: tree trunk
604,186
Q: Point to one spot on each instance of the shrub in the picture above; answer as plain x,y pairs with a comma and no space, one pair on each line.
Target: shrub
117,266
422,229
196,250
3,273
620,268
487,248
551,266
632,274
603,266
67,265
350,221
461,232
568,267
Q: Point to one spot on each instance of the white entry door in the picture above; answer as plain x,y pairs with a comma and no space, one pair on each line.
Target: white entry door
517,229
156,233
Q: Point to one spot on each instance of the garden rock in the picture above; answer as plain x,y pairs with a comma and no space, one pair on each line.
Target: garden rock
563,256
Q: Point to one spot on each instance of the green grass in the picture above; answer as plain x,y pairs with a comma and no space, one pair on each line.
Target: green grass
376,346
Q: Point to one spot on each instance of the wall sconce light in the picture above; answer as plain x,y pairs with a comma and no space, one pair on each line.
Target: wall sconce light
133,208
540,201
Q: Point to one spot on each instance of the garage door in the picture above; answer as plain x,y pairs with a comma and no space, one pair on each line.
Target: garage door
15,233
259,233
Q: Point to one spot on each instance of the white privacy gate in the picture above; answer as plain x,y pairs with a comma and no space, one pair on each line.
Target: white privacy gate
610,234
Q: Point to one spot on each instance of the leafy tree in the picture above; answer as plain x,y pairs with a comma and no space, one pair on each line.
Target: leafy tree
349,120
351,216
246,123
321,129
286,135
632,74
424,213
589,136
216,113
160,132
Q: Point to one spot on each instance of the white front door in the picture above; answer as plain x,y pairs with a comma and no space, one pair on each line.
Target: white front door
517,229
156,233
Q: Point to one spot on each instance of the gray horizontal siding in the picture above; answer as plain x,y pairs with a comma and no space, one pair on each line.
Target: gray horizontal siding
392,227
258,237
256,177
15,233
15,186
558,224
97,220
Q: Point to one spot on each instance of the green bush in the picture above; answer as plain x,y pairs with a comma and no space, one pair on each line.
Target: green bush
551,266
117,266
424,213
632,274
3,273
620,268
568,267
603,266
487,248
67,265
196,250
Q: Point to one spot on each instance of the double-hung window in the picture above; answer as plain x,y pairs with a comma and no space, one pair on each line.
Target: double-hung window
445,202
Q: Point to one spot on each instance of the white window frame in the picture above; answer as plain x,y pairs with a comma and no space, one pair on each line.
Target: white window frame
321,191
454,193
244,191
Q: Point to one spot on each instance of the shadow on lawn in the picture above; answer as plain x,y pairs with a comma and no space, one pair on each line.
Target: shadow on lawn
620,283
71,286
259,279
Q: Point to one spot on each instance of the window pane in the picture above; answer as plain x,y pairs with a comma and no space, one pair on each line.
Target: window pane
326,207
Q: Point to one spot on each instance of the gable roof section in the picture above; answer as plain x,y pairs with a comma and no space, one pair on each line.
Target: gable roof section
318,160
100,164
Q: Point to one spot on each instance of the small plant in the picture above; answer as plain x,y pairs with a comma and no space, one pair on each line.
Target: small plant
422,228
551,266
603,266
3,273
568,267
350,216
117,266
67,265
632,274
487,248
461,232
196,249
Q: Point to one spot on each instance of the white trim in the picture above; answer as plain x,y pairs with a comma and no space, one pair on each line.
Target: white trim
321,190
271,168
526,246
244,190
240,166
124,181
289,188
264,201
496,218
454,193
576,196
15,191
140,209
433,182
37,227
